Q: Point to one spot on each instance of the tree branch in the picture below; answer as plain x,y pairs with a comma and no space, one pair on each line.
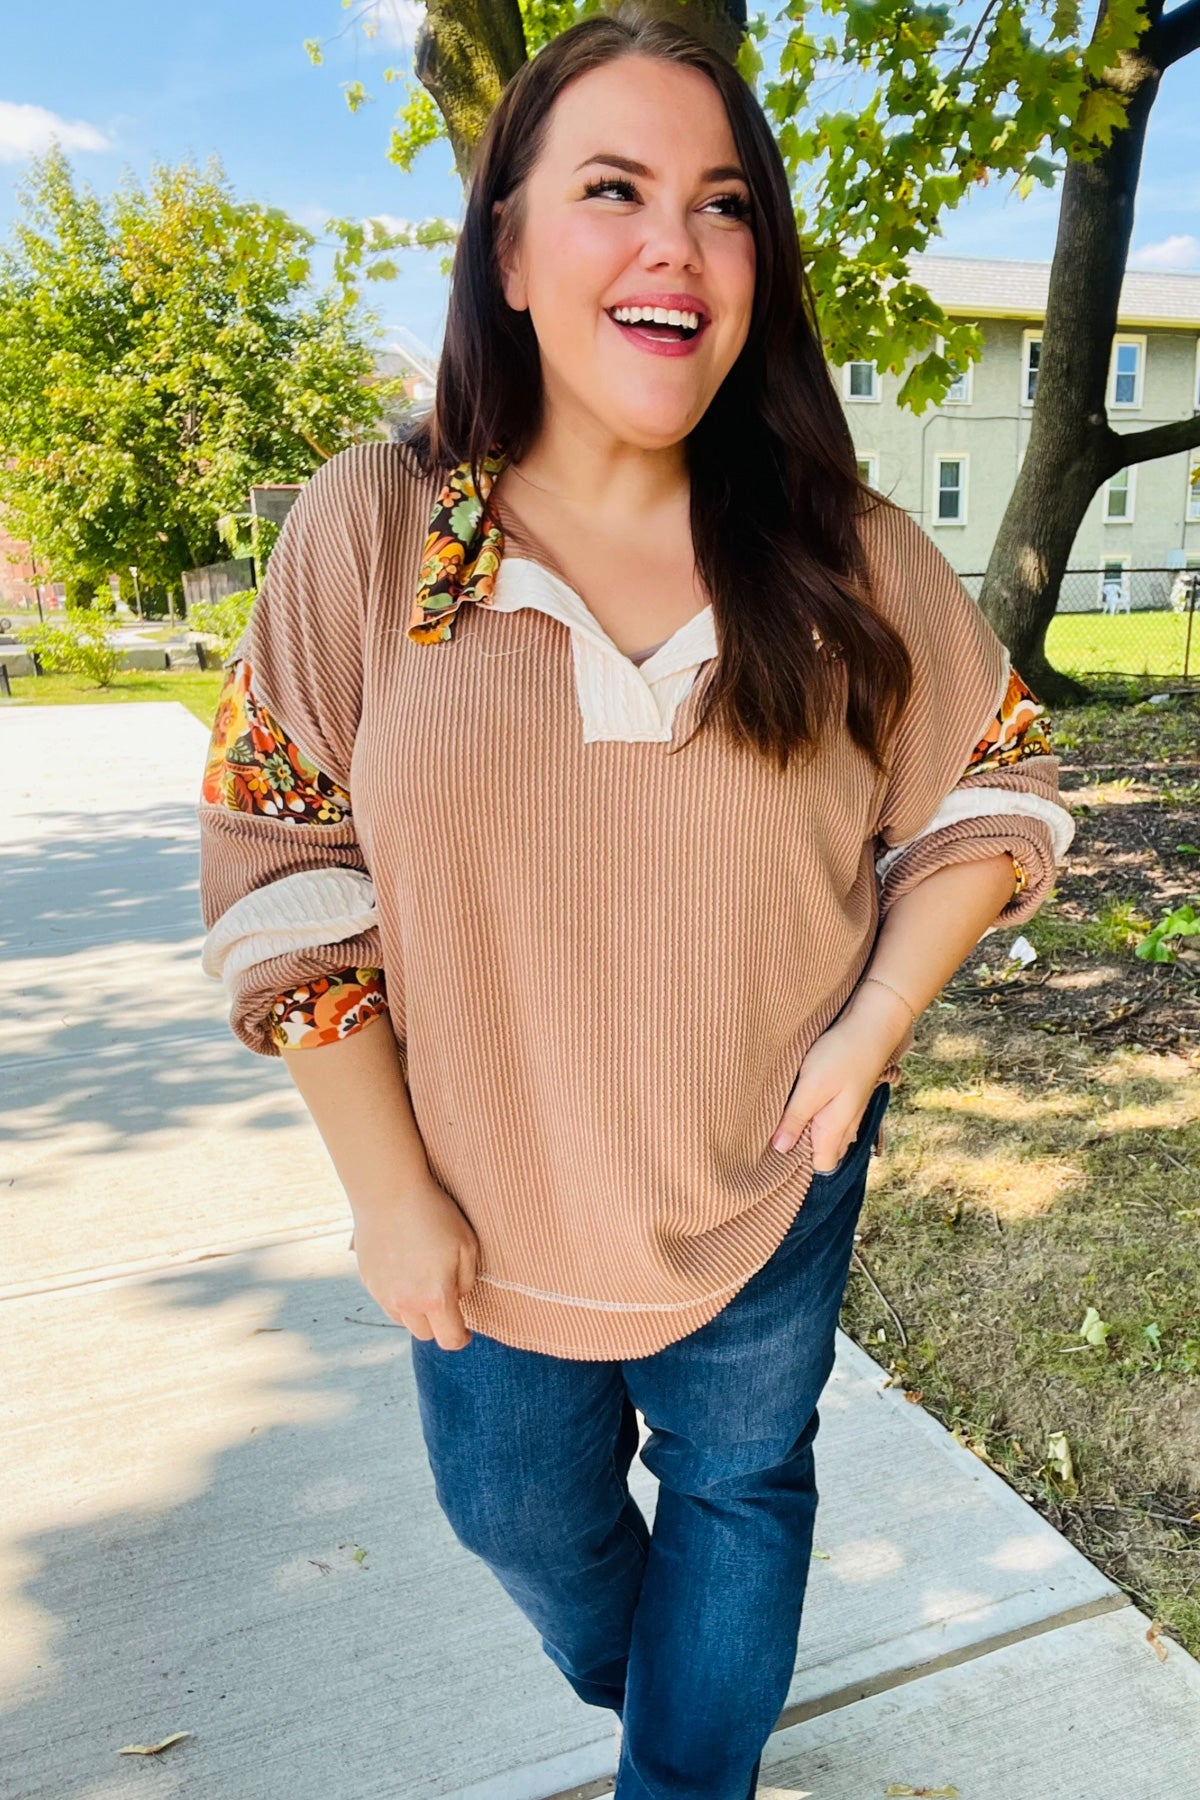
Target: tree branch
969,52
1174,35
1129,447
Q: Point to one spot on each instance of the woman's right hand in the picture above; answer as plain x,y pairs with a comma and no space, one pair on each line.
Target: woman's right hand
417,1260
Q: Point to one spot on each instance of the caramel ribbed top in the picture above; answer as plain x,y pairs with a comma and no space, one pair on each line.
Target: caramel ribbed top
605,962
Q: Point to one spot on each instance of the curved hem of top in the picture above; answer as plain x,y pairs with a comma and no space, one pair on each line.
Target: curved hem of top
499,1318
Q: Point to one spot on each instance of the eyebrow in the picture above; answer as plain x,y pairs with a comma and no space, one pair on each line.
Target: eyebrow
722,172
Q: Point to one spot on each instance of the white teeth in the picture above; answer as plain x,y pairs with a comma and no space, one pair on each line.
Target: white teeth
659,315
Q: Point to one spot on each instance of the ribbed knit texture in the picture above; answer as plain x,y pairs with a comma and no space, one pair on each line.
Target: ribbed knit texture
605,962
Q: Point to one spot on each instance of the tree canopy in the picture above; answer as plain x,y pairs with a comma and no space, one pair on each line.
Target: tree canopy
888,114
161,351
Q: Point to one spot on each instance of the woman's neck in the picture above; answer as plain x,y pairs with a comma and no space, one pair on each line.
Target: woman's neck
600,480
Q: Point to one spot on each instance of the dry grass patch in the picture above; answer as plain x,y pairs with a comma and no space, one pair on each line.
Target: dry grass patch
1034,1220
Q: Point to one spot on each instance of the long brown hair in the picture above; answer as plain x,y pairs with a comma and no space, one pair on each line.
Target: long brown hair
775,493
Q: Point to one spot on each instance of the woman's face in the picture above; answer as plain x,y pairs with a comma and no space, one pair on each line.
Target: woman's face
600,233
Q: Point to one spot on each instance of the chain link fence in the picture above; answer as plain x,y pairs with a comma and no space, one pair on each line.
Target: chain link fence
1117,620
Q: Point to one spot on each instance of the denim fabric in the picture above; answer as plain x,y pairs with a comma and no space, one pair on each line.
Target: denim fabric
688,1634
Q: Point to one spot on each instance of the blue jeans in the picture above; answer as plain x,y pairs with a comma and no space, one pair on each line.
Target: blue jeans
688,1634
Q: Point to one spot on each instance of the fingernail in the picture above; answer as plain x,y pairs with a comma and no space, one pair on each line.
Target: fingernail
783,1140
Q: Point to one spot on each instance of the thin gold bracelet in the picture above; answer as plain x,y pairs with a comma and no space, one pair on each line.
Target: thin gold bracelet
878,979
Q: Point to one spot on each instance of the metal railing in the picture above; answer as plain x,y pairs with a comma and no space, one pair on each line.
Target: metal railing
1125,622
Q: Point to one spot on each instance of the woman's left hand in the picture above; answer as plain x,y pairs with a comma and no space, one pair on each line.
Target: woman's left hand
839,1074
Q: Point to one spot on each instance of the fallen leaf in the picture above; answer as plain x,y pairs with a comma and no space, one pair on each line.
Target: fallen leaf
1061,1464
1094,1329
1155,1642
822,1554
943,1793
152,1749
916,1395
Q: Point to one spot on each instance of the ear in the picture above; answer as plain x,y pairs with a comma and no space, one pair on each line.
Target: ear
510,277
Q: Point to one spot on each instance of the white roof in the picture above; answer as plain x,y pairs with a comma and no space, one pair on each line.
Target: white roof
988,288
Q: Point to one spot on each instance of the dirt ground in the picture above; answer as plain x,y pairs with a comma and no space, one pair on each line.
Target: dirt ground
1028,1253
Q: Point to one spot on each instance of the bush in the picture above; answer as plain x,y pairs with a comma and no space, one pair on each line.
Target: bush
84,591
225,620
77,642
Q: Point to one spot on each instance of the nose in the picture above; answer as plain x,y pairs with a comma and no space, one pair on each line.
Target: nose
670,240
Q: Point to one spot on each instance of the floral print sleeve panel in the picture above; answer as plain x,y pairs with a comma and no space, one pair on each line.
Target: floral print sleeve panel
1018,730
254,766
320,1012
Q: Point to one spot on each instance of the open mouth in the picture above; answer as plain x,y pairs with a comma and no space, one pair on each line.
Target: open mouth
658,322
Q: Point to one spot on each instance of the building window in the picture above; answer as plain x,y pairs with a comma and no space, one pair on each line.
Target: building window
959,391
860,381
1114,584
1125,377
868,467
1118,498
1032,362
950,490
1192,511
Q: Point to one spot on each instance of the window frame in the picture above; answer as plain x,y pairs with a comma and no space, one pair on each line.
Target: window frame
967,378
1028,338
1125,518
876,394
871,458
1138,340
963,459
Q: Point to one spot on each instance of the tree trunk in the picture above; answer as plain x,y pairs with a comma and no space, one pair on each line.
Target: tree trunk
467,51
1072,447
465,54
1070,450
721,23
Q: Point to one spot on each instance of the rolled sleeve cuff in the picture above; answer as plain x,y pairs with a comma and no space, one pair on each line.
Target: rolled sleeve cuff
1027,840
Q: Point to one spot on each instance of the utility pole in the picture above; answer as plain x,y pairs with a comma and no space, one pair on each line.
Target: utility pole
37,586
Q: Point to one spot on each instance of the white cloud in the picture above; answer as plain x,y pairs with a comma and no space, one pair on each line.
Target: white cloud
1179,252
27,131
399,21
390,221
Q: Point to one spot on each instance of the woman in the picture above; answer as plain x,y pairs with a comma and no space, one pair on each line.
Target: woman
651,855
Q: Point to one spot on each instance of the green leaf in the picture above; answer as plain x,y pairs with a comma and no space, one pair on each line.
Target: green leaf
1094,1330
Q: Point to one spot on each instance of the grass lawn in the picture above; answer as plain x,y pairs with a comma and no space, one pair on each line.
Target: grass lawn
1149,643
1040,1159
193,688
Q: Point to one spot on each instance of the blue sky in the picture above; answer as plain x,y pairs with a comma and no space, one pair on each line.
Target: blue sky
137,82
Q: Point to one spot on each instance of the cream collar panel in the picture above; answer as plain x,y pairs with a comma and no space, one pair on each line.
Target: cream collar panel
619,700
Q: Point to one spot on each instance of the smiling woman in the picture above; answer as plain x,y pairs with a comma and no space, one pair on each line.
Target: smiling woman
544,932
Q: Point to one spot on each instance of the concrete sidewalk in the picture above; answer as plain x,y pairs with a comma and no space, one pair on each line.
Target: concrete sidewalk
215,1512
